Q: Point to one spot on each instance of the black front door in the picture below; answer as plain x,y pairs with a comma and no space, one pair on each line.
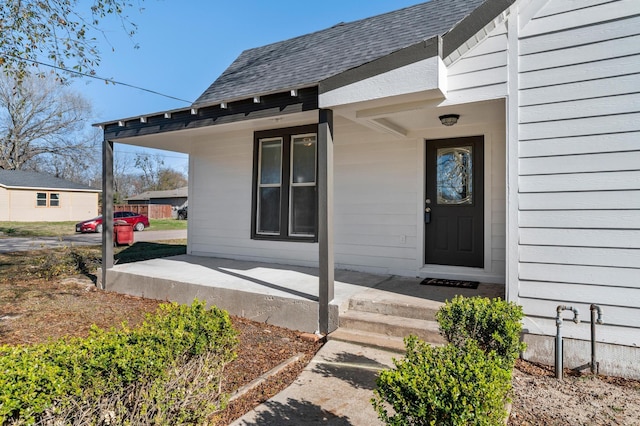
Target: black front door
454,202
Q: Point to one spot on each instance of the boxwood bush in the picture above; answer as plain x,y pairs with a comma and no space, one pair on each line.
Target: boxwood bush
467,381
494,324
447,385
35,378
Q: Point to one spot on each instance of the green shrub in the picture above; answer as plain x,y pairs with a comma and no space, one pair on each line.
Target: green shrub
493,323
446,385
34,377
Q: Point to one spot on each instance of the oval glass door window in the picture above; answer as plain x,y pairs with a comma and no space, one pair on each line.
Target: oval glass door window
455,175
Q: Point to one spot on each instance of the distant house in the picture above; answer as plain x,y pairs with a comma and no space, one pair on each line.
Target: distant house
177,198
33,197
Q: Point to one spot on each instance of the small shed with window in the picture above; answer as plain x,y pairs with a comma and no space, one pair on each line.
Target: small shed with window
27,196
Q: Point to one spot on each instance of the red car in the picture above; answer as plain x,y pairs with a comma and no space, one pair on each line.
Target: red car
139,222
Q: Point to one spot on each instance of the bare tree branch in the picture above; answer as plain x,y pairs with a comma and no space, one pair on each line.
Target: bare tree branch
42,123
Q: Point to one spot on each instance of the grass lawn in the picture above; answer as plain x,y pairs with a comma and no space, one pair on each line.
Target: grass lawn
61,229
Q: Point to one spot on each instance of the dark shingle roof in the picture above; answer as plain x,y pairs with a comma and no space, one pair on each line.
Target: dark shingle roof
170,193
35,180
307,60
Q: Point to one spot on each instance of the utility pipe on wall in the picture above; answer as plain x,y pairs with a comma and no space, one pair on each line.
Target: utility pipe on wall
559,310
594,308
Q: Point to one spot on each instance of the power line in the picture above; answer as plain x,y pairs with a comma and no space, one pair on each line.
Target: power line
96,77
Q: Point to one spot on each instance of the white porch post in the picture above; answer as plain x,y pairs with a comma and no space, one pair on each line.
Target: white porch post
107,209
325,217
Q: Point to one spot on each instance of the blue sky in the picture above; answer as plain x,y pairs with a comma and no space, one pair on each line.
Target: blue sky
184,45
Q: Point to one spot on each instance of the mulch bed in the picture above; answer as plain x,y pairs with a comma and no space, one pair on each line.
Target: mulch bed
36,311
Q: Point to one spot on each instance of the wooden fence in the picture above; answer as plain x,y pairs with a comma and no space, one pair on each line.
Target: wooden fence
152,211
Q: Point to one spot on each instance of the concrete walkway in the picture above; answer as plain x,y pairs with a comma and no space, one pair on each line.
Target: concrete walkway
334,389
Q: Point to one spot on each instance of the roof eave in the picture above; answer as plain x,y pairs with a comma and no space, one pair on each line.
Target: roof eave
223,103
44,188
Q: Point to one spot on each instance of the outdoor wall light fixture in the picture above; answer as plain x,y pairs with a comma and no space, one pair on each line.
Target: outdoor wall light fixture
449,119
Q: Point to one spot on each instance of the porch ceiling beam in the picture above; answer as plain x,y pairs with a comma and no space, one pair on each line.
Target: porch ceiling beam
325,219
386,126
387,110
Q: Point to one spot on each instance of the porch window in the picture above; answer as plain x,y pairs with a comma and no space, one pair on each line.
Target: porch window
285,197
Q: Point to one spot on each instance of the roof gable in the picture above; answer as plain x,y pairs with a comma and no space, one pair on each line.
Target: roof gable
35,180
307,60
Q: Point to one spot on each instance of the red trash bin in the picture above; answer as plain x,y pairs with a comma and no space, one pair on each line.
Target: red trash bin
122,233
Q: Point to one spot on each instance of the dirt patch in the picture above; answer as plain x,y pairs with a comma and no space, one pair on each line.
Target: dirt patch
540,399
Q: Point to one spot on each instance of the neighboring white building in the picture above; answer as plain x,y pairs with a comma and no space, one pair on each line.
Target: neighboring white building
336,137
38,197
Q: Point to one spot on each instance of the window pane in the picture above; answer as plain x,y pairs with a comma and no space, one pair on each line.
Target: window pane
455,175
304,159
303,210
41,199
271,162
54,200
269,210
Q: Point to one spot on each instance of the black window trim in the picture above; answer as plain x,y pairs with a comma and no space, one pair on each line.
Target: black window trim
286,134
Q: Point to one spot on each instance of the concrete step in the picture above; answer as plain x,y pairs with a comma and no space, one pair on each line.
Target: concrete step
396,305
391,325
365,338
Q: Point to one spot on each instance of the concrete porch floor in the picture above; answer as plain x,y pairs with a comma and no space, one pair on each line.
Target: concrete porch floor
283,295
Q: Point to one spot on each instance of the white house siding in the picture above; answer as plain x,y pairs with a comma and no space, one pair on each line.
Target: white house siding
375,202
376,195
481,73
578,76
220,173
477,75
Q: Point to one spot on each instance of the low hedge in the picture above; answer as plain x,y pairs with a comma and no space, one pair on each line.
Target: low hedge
467,381
447,385
35,377
494,324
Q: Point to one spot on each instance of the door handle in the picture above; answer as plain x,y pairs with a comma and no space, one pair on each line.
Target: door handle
427,215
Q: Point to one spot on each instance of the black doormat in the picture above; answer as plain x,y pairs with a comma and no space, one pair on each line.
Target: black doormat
450,283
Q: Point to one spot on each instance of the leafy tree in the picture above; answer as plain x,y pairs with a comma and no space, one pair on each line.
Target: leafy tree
171,179
60,32
43,126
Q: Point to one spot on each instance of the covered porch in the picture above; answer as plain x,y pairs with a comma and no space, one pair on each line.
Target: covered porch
284,295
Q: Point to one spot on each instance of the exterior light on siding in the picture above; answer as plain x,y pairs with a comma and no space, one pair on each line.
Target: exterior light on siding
294,92
194,111
256,99
143,119
223,105
167,115
121,123
449,119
